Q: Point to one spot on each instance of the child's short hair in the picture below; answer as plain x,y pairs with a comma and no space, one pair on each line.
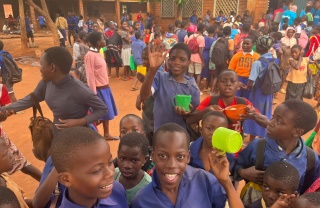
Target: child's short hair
1,45
296,47
305,116
212,29
135,139
285,26
285,172
277,35
313,198
171,27
170,127
214,113
183,47
59,56
227,30
132,116
75,36
183,24
137,35
177,23
8,198
227,71
82,35
286,20
246,27
200,27
252,38
94,37
67,142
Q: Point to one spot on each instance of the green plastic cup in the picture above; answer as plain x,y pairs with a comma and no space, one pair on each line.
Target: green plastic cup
182,101
226,140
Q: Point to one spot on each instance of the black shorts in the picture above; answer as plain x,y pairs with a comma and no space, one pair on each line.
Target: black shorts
43,26
29,34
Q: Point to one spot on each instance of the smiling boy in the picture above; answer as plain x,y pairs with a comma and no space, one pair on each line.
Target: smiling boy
83,160
174,183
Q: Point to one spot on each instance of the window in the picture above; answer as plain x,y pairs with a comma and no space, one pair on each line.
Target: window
194,5
93,11
226,7
167,8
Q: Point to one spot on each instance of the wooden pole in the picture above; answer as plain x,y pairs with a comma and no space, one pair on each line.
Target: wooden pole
23,29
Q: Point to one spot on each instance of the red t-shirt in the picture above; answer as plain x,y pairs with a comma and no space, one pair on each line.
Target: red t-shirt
139,17
235,125
4,100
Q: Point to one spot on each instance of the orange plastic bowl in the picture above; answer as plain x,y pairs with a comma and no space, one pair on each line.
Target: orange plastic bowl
233,112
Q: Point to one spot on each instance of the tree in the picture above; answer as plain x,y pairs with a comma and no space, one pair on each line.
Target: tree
23,29
45,13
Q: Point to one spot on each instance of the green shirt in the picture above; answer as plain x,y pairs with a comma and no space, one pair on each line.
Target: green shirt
133,191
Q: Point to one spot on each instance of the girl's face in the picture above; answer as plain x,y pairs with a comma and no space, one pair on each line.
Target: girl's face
290,33
125,25
102,42
129,125
247,45
178,62
95,27
295,53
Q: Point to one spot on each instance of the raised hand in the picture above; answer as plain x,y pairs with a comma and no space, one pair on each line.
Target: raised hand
156,57
219,165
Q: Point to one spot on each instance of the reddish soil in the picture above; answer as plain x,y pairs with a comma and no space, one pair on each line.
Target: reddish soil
16,126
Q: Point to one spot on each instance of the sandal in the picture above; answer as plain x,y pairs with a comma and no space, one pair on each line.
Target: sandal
124,79
134,89
118,78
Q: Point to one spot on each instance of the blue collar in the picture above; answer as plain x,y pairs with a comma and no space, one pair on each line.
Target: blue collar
188,80
275,146
100,202
194,152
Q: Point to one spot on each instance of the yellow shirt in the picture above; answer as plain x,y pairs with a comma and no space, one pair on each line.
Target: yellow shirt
16,190
241,63
299,76
62,23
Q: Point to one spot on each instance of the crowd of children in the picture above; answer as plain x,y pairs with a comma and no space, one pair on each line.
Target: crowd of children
161,161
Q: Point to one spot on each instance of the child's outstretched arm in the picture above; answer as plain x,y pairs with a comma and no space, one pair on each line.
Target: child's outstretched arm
220,167
45,190
156,58
251,113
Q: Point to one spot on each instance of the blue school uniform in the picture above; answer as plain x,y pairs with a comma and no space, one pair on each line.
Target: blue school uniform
181,35
206,56
260,101
164,89
116,199
46,170
195,160
273,153
137,47
316,17
197,188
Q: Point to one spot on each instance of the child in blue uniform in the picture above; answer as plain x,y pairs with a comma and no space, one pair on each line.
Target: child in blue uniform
83,161
290,120
174,183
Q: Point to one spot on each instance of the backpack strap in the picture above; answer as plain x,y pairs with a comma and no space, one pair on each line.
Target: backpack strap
241,100
214,99
36,105
311,159
260,154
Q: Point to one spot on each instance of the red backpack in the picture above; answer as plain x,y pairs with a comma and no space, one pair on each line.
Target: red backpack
193,44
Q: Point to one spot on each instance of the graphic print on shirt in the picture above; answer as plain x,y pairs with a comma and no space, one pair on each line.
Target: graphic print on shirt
246,62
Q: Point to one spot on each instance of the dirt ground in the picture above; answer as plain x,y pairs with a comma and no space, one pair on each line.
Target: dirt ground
16,126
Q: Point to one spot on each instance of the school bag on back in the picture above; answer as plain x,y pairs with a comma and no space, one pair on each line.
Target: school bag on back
271,79
303,40
193,44
220,52
12,72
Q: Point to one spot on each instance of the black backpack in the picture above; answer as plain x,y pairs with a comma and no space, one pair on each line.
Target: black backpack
12,73
271,79
220,53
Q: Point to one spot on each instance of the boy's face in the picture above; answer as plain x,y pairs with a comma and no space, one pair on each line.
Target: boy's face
247,45
228,84
95,27
295,53
272,189
302,202
209,127
6,159
281,125
171,156
178,62
46,70
129,125
91,175
130,161
137,26
290,33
